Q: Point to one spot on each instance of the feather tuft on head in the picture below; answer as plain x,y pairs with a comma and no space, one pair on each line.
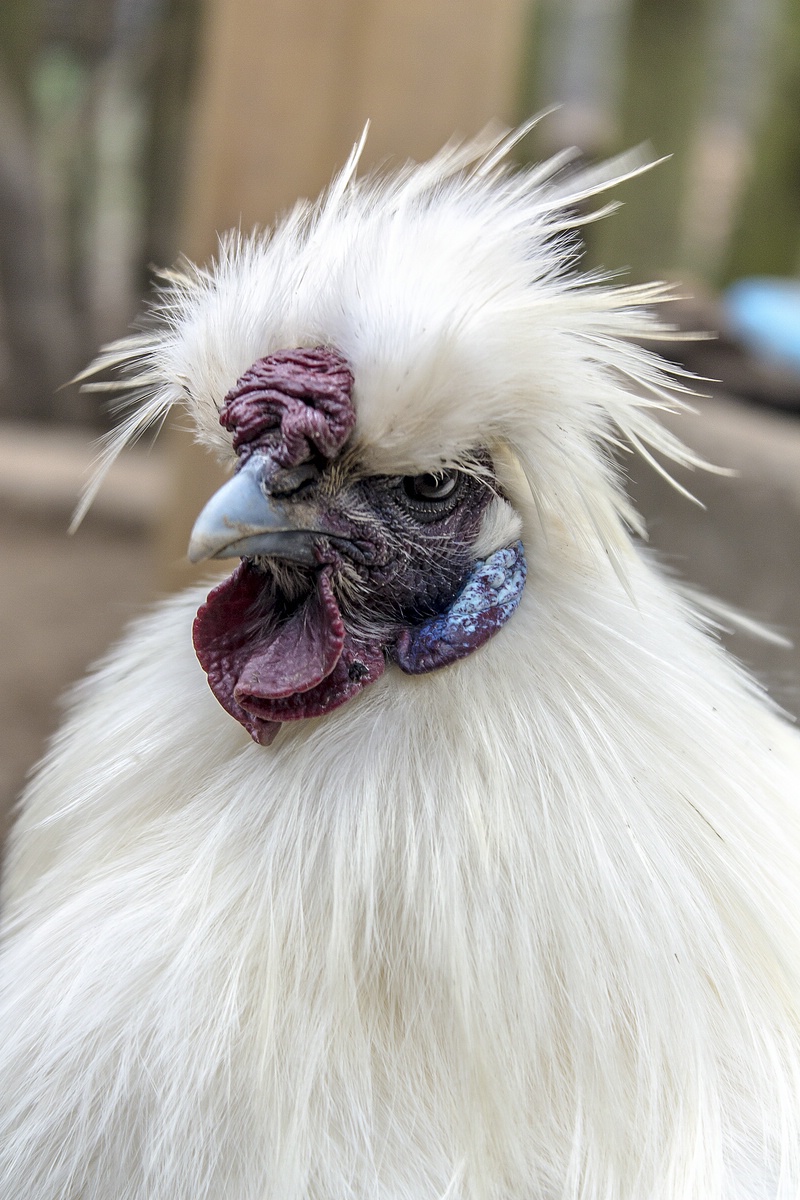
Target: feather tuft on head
450,289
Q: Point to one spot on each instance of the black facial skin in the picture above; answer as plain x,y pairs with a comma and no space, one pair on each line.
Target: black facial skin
288,637
429,524
403,544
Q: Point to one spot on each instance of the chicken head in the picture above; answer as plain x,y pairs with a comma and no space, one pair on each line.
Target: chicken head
341,570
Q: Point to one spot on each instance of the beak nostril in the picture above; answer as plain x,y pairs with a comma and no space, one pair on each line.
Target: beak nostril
288,481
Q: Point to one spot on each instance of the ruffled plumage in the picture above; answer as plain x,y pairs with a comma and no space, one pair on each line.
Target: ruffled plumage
524,927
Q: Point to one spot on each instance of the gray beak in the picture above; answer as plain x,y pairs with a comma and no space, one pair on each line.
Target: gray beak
242,519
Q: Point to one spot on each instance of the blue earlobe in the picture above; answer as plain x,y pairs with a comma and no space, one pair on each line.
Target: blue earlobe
486,601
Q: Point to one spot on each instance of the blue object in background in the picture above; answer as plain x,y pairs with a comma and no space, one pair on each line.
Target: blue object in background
765,315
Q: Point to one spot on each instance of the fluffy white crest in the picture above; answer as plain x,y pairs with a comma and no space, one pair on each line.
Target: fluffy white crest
449,286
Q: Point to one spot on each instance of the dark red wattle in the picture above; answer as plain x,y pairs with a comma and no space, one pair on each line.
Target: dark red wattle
264,670
303,651
224,631
360,664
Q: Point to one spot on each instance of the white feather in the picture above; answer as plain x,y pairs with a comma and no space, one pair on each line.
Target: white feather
523,927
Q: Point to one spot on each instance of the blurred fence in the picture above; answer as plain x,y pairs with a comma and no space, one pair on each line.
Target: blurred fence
95,101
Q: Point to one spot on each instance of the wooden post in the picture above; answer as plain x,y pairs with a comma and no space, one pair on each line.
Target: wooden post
285,89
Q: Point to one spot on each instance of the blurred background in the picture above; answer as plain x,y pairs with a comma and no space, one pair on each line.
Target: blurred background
132,130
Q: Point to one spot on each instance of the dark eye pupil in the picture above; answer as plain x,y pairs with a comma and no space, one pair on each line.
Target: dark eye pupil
430,486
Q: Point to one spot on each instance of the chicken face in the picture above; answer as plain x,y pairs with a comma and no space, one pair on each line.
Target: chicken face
341,570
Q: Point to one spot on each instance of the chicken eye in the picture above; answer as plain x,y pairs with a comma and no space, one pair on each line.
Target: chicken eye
431,486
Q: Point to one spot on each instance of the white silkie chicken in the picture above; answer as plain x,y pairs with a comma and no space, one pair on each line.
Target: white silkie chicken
401,877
